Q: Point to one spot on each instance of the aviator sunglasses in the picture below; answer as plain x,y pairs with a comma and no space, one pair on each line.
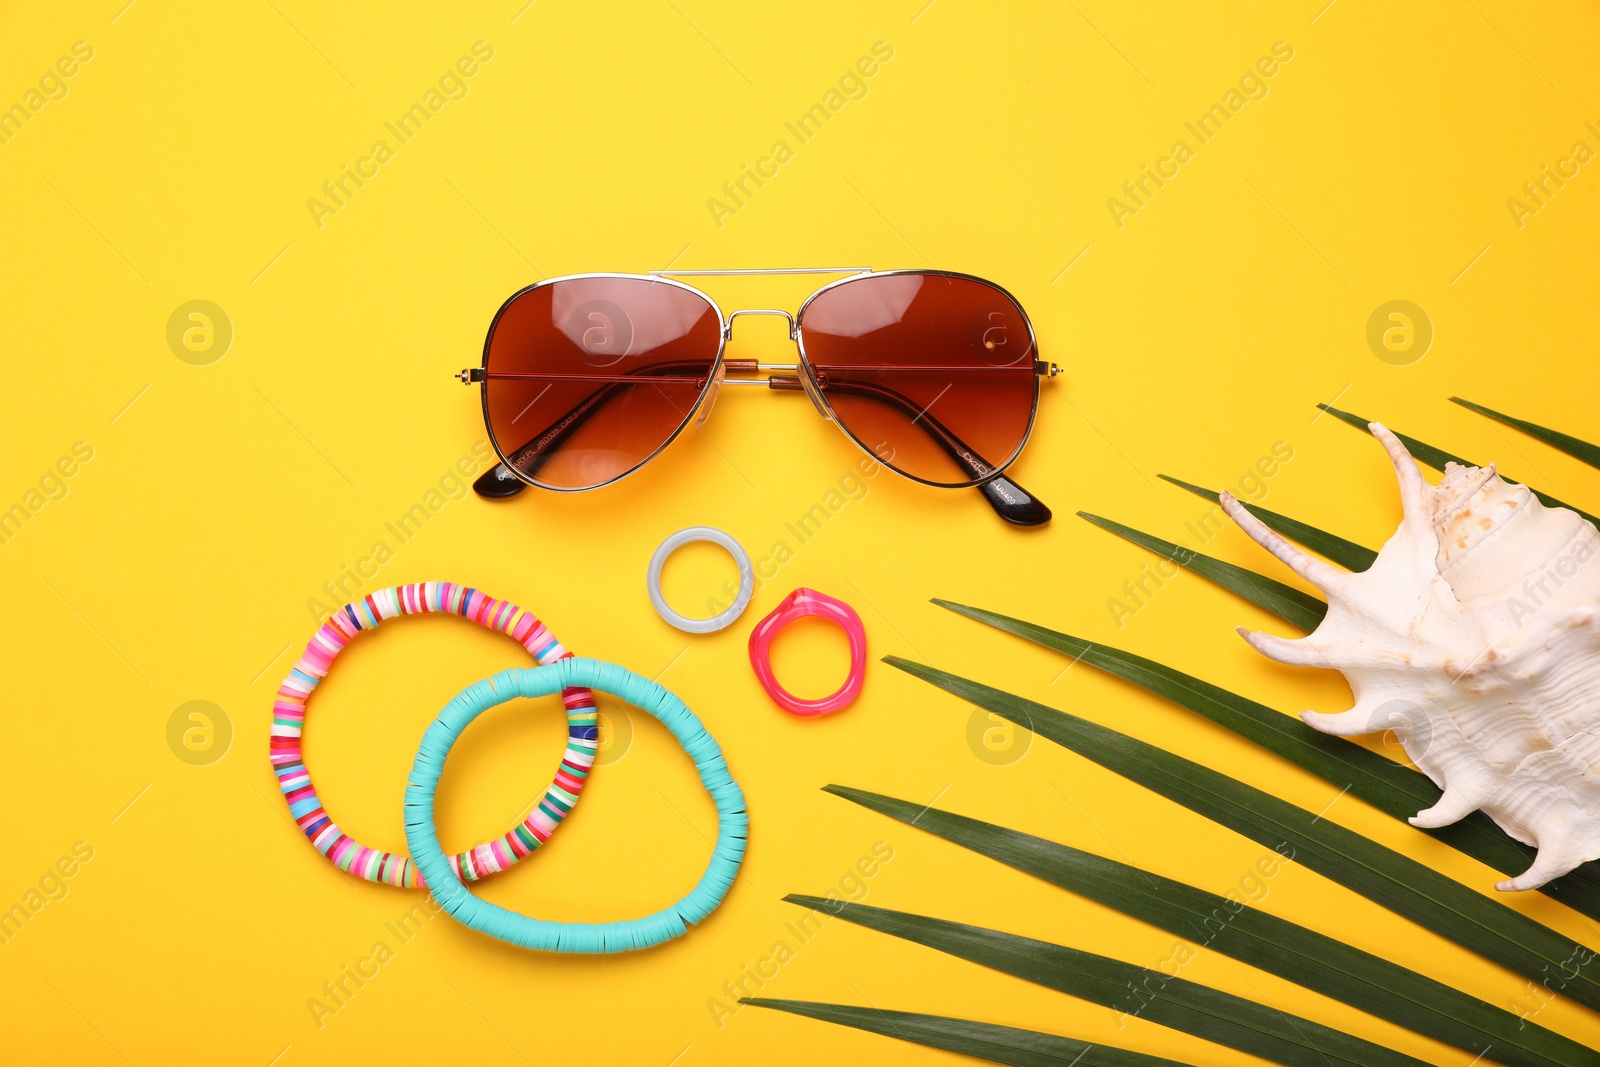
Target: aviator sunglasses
935,374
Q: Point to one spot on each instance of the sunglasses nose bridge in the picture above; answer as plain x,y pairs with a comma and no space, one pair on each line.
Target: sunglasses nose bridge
797,382
727,326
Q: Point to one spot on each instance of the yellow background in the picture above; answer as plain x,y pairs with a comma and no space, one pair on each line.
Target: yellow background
219,498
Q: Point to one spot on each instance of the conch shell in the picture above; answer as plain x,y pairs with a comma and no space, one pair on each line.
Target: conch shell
1475,636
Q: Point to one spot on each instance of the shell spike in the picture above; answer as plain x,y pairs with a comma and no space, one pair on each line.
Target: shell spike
1413,487
1551,862
1324,576
1300,652
1455,805
1344,724
1473,637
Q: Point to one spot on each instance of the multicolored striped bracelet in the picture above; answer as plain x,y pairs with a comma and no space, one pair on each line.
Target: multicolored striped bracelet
289,712
733,822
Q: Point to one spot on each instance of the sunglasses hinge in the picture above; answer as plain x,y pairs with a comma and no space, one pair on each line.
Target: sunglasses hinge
468,375
1045,369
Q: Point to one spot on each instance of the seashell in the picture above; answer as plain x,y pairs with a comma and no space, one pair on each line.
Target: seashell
1475,636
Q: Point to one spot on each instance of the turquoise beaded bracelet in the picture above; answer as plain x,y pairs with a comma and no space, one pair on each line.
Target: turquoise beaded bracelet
733,823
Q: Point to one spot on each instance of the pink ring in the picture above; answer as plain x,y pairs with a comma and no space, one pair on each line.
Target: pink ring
798,605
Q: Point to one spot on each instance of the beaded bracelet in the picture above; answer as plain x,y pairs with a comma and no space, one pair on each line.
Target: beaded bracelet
289,710
454,897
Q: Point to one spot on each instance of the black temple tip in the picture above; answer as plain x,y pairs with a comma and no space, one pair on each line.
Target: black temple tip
498,483
1013,503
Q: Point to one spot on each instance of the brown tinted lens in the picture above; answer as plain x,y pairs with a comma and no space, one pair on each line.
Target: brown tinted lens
932,373
588,377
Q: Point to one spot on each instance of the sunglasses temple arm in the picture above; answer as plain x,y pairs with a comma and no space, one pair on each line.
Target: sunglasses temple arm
498,482
1009,500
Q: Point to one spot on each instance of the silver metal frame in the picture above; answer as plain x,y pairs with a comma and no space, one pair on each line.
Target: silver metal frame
714,378
727,330
821,400
803,370
759,270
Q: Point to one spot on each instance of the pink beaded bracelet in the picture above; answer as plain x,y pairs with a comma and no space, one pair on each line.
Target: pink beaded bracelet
289,710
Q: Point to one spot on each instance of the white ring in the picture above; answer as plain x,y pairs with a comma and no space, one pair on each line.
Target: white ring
747,579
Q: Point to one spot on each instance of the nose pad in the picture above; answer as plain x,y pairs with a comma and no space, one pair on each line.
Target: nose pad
799,383
815,394
805,379
710,400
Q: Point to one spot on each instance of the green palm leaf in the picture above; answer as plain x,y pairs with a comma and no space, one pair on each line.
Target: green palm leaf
1438,457
1154,995
998,1044
1346,554
1285,601
1384,876
1389,786
1581,450
1313,960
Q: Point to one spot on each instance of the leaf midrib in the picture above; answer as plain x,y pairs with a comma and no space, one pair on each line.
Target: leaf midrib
1076,871
1114,743
1012,946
